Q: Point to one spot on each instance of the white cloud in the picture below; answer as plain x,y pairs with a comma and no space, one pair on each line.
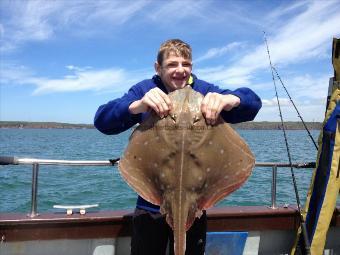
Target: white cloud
308,34
273,102
80,79
77,68
309,112
11,73
305,36
308,94
29,20
217,52
71,67
39,20
84,17
284,10
307,86
175,11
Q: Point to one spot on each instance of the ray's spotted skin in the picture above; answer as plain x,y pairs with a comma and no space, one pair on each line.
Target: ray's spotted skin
184,165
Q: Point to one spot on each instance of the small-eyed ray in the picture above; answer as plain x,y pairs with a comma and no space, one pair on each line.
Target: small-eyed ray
183,164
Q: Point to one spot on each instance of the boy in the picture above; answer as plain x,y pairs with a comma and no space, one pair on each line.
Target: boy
173,67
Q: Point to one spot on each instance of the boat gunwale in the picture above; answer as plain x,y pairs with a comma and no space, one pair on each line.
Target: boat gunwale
113,224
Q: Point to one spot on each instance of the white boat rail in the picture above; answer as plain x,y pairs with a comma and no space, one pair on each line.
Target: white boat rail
37,162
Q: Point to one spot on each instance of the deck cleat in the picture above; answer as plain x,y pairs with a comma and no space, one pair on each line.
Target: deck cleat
70,208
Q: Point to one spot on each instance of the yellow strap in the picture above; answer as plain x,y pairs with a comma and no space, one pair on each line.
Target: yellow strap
191,80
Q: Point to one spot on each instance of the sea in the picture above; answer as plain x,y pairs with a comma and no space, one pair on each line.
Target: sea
103,185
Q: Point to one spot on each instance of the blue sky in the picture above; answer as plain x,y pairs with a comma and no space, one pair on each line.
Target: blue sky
61,59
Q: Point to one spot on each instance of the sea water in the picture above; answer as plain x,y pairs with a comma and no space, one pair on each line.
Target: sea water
66,185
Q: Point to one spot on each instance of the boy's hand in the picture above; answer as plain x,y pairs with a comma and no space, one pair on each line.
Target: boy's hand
214,103
155,99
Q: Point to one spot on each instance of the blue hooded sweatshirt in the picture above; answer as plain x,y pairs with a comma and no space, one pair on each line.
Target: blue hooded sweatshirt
114,117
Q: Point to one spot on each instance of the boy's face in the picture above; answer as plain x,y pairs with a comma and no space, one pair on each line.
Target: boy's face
174,71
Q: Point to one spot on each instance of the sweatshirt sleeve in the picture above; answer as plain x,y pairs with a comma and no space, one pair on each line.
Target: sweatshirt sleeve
114,117
250,104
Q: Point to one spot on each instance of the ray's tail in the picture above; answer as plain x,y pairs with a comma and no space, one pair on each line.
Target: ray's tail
179,226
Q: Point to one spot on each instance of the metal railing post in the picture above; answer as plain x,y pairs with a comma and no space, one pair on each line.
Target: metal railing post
35,173
274,174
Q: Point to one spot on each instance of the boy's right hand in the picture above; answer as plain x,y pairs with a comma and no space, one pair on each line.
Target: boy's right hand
154,99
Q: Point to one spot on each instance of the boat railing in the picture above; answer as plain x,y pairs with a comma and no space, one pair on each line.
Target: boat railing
37,162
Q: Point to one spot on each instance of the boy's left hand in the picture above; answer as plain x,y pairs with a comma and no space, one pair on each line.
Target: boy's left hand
214,103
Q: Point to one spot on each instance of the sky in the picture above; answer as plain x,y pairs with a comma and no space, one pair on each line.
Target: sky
60,59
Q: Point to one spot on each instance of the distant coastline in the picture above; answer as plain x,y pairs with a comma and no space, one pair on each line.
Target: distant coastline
43,125
261,125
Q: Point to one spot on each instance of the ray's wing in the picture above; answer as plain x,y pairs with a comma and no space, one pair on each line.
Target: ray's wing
140,163
227,161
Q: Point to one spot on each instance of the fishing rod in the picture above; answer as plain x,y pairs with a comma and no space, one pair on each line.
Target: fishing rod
302,221
291,100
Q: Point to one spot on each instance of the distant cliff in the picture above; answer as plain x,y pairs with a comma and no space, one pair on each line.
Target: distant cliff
263,125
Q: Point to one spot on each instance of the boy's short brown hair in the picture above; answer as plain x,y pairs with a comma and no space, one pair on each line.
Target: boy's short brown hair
176,46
